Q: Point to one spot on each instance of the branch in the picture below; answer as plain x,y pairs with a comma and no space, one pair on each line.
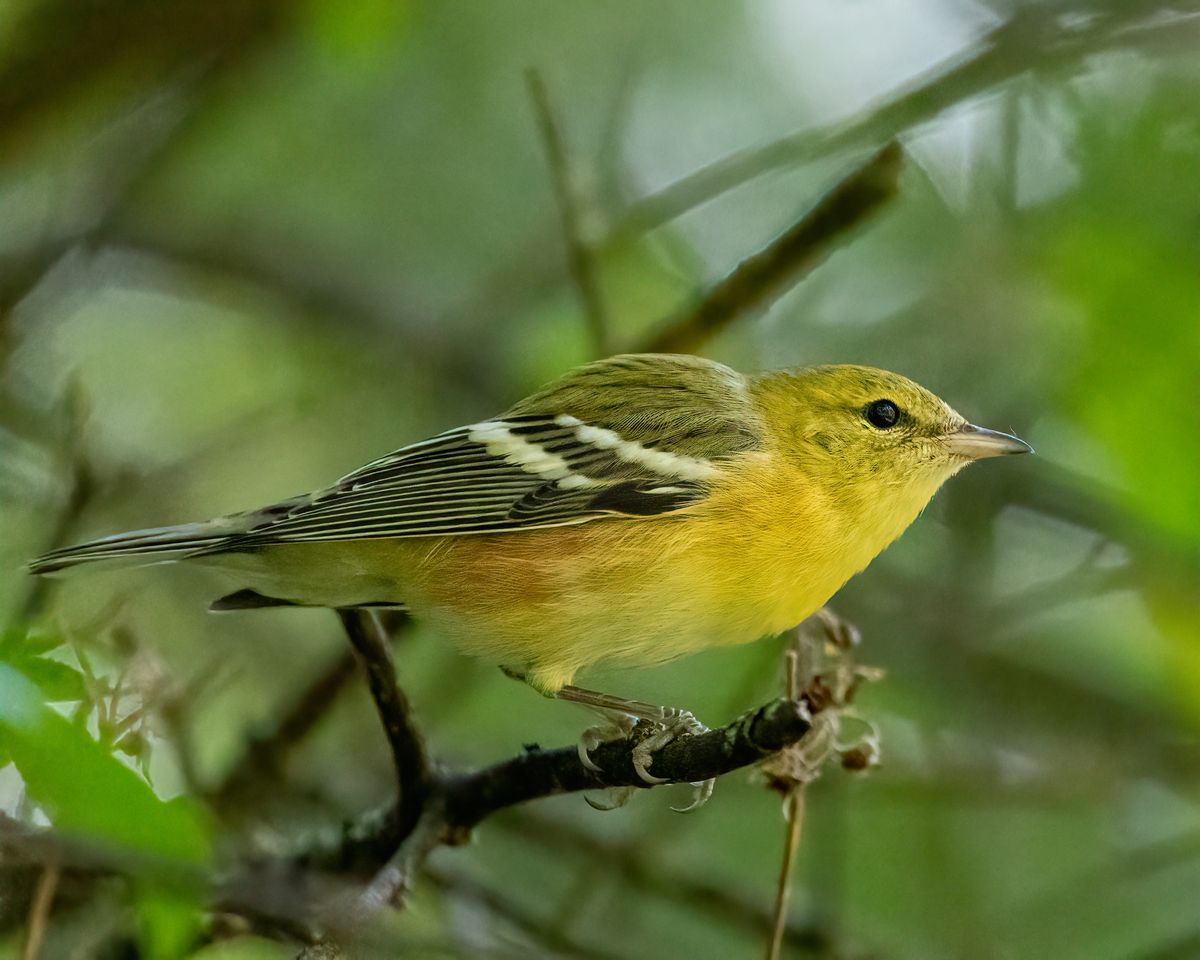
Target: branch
632,864
545,773
456,802
413,773
795,252
579,254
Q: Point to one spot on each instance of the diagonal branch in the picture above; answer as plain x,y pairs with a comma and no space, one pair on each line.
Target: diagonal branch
263,755
789,256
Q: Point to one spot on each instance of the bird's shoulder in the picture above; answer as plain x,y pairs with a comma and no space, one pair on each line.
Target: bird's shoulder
682,404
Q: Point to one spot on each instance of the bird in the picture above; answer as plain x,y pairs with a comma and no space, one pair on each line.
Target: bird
635,510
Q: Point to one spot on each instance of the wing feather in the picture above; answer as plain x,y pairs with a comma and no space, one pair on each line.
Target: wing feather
531,468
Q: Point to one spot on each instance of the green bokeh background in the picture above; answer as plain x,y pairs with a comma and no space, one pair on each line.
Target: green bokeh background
247,247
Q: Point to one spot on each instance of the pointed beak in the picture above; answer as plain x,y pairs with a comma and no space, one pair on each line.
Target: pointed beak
975,443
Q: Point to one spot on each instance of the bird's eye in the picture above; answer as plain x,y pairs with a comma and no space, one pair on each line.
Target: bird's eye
882,414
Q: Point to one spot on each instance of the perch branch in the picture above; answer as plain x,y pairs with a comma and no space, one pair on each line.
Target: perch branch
413,773
792,254
539,773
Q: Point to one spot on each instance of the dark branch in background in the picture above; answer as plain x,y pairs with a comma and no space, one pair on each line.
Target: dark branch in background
527,921
39,910
263,758
1037,39
765,275
58,49
566,190
630,863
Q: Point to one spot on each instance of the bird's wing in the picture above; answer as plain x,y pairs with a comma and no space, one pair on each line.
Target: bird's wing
635,452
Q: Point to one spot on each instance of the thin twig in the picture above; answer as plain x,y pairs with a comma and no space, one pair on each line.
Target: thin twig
391,884
794,811
579,253
794,814
39,910
413,774
792,254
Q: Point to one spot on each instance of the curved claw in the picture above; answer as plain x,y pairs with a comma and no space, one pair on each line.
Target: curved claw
592,737
585,756
704,791
643,756
620,797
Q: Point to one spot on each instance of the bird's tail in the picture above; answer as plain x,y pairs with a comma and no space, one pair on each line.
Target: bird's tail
144,546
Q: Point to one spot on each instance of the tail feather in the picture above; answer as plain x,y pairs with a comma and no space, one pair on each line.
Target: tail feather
158,543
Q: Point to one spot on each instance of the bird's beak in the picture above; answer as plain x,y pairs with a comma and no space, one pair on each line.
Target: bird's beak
975,443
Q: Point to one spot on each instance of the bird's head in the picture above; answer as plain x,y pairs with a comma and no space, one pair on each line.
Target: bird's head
873,437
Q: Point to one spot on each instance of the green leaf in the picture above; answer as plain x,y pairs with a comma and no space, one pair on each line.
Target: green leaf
84,789
28,642
59,682
245,948
168,924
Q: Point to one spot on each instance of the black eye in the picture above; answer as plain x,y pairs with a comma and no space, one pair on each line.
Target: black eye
882,414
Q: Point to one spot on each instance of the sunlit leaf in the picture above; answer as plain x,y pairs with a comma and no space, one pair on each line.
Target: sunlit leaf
83,788
58,681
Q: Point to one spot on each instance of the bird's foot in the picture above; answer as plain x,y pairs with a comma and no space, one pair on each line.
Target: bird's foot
653,726
673,724
619,726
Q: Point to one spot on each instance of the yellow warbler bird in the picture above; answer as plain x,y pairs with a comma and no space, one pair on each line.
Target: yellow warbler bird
637,509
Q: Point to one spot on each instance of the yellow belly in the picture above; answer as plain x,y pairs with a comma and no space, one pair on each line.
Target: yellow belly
549,602
749,561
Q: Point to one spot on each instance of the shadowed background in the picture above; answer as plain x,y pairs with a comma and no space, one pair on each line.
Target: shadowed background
245,247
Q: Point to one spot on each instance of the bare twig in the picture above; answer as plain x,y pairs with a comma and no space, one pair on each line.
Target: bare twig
579,254
391,884
39,910
795,252
413,772
794,814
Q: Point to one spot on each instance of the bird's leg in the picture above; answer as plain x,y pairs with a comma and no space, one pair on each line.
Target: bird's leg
672,723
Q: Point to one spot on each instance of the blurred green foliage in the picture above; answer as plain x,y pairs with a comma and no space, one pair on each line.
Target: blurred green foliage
264,246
